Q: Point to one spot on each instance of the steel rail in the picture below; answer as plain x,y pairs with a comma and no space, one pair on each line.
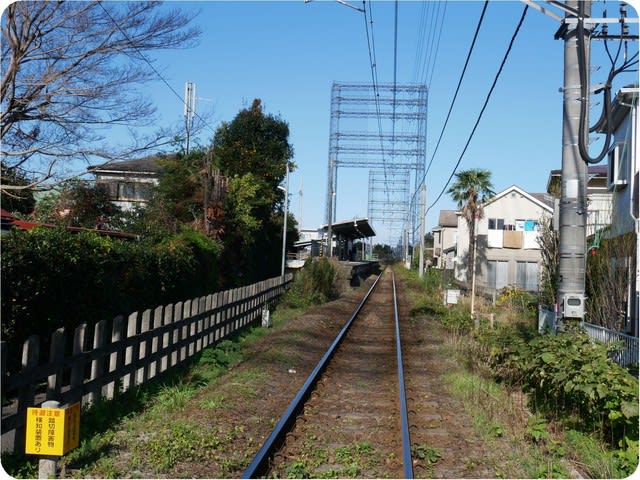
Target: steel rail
260,463
407,462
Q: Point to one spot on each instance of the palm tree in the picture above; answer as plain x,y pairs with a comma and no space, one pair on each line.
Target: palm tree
470,190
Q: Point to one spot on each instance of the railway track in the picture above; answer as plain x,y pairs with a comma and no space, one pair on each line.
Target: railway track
352,403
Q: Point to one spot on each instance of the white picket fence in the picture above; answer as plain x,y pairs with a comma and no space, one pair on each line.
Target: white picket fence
108,356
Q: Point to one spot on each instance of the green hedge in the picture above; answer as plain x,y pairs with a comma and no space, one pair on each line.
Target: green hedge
53,278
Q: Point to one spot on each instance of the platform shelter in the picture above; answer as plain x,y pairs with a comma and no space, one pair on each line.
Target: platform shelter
345,234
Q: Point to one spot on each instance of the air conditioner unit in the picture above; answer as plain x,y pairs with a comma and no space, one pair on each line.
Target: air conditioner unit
616,176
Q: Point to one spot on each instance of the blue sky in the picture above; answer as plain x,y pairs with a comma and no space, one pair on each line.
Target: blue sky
289,53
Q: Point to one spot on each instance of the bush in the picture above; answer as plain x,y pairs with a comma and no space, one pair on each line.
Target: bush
52,278
519,300
457,320
314,284
567,374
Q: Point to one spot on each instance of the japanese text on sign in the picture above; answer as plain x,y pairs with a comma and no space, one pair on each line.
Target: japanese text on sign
52,431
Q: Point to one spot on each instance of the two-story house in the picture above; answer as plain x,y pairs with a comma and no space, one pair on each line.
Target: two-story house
508,253
445,236
623,185
129,182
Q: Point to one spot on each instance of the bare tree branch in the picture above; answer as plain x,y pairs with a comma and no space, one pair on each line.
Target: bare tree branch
71,70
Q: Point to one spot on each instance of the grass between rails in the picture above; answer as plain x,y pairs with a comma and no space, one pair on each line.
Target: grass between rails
356,460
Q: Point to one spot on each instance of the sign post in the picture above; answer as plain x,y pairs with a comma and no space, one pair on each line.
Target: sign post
51,432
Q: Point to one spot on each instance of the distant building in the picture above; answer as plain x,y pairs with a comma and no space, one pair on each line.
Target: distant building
130,182
598,196
445,237
308,245
508,252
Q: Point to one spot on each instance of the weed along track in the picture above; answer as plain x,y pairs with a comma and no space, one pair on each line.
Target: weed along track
350,416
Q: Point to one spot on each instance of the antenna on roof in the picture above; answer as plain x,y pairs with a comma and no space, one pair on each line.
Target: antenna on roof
189,109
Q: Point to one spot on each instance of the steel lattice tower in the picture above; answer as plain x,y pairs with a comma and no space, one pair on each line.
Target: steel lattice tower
382,128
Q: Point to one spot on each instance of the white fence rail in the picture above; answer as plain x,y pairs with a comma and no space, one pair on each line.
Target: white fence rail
116,355
626,356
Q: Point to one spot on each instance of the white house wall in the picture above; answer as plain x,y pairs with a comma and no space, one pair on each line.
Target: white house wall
511,206
444,239
622,201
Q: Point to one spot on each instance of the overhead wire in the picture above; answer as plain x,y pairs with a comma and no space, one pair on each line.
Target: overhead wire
375,85
431,68
427,50
484,106
420,41
455,96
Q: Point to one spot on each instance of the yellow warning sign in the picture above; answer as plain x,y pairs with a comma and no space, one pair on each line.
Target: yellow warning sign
52,431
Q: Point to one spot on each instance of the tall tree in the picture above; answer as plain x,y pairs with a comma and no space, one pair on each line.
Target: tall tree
253,151
469,191
257,143
71,69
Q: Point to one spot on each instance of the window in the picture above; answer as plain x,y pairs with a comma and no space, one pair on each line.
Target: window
497,274
496,224
527,276
526,226
134,191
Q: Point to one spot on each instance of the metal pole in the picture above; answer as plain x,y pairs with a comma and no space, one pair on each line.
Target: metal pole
423,202
330,194
573,201
284,228
47,466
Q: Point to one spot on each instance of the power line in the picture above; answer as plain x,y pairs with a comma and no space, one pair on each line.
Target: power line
431,67
374,79
484,106
425,56
455,96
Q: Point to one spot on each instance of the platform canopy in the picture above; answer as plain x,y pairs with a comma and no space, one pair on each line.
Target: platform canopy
352,229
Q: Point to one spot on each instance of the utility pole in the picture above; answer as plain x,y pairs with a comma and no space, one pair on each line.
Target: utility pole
577,29
330,204
423,204
573,197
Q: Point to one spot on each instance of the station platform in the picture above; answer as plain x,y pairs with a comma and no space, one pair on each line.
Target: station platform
358,271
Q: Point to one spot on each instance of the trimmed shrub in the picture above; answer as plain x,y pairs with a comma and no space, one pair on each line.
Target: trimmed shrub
52,278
